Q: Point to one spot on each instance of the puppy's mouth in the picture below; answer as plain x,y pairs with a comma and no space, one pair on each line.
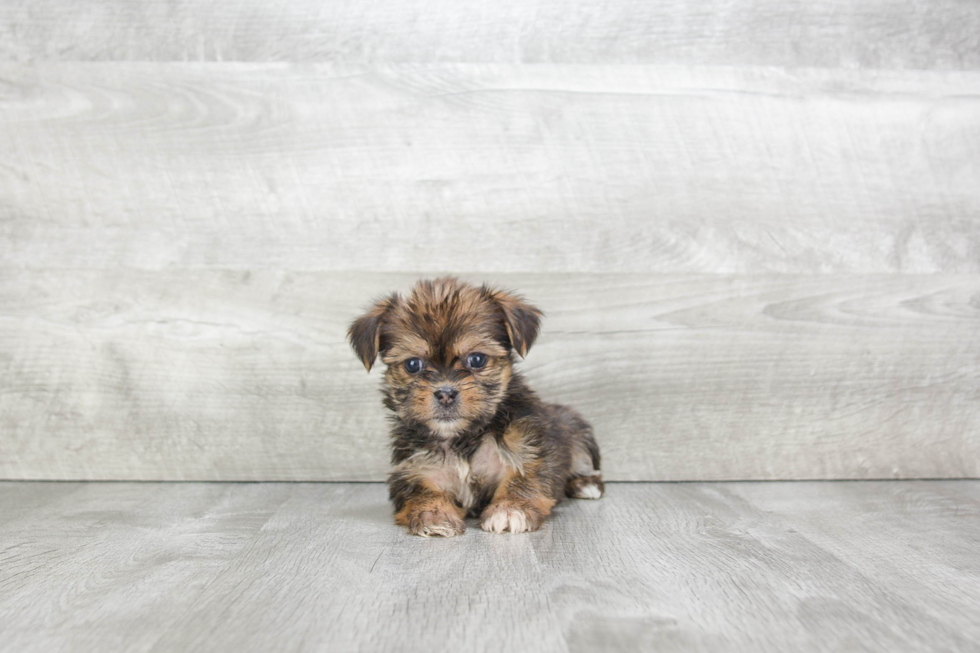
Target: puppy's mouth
447,426
446,420
446,413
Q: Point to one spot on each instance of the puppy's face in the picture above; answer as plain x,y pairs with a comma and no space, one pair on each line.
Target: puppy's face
447,348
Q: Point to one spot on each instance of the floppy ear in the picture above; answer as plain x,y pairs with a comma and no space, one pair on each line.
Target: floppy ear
364,333
521,320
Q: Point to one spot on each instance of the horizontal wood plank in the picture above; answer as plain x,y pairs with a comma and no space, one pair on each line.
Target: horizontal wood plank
489,168
231,375
937,34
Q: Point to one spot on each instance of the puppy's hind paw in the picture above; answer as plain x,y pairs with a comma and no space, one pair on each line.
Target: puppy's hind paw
435,523
585,487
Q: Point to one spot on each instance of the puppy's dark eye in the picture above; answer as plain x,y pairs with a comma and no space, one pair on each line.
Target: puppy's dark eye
476,361
413,365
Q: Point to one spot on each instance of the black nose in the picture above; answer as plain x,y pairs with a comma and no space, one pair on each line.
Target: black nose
446,396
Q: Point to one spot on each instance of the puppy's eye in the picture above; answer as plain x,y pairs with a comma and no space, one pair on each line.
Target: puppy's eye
413,365
476,361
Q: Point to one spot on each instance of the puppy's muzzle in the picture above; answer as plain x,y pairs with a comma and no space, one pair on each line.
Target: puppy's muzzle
446,396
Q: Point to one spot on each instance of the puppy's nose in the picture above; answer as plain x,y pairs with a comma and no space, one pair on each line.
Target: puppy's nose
446,395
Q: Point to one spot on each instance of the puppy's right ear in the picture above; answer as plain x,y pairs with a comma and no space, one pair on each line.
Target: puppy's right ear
364,333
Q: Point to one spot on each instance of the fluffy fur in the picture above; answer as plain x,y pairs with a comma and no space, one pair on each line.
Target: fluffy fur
469,437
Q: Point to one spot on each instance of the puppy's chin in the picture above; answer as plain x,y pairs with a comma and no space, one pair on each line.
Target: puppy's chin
447,428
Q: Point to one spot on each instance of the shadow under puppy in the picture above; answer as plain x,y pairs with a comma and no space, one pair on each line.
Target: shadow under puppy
469,437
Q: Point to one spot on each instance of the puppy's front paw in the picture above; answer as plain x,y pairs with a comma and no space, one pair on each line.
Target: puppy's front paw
435,523
509,517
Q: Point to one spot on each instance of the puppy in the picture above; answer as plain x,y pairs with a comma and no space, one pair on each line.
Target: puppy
469,437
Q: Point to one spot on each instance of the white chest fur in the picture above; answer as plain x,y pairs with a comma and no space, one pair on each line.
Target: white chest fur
488,464
460,478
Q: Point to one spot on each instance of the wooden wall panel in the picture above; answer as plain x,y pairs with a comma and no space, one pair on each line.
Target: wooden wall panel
754,225
489,168
928,34
191,375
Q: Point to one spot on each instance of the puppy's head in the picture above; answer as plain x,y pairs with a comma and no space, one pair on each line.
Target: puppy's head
447,347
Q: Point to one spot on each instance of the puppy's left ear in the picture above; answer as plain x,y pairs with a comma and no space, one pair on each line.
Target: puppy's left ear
521,320
364,333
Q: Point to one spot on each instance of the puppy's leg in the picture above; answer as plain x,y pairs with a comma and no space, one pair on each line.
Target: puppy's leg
585,487
424,507
585,479
520,504
430,514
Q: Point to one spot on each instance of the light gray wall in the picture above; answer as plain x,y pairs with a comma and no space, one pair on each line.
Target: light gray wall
754,227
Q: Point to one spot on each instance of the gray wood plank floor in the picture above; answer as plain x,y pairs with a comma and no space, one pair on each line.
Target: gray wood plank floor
803,566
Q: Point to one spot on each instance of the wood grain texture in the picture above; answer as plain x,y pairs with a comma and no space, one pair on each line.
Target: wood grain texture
899,523
937,34
207,375
489,168
127,559
807,567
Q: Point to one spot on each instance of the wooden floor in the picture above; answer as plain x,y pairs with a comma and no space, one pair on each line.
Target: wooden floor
804,566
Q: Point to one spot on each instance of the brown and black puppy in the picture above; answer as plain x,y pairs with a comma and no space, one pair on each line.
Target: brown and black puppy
468,436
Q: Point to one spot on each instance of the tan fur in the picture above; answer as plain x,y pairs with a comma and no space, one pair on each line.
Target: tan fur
432,512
